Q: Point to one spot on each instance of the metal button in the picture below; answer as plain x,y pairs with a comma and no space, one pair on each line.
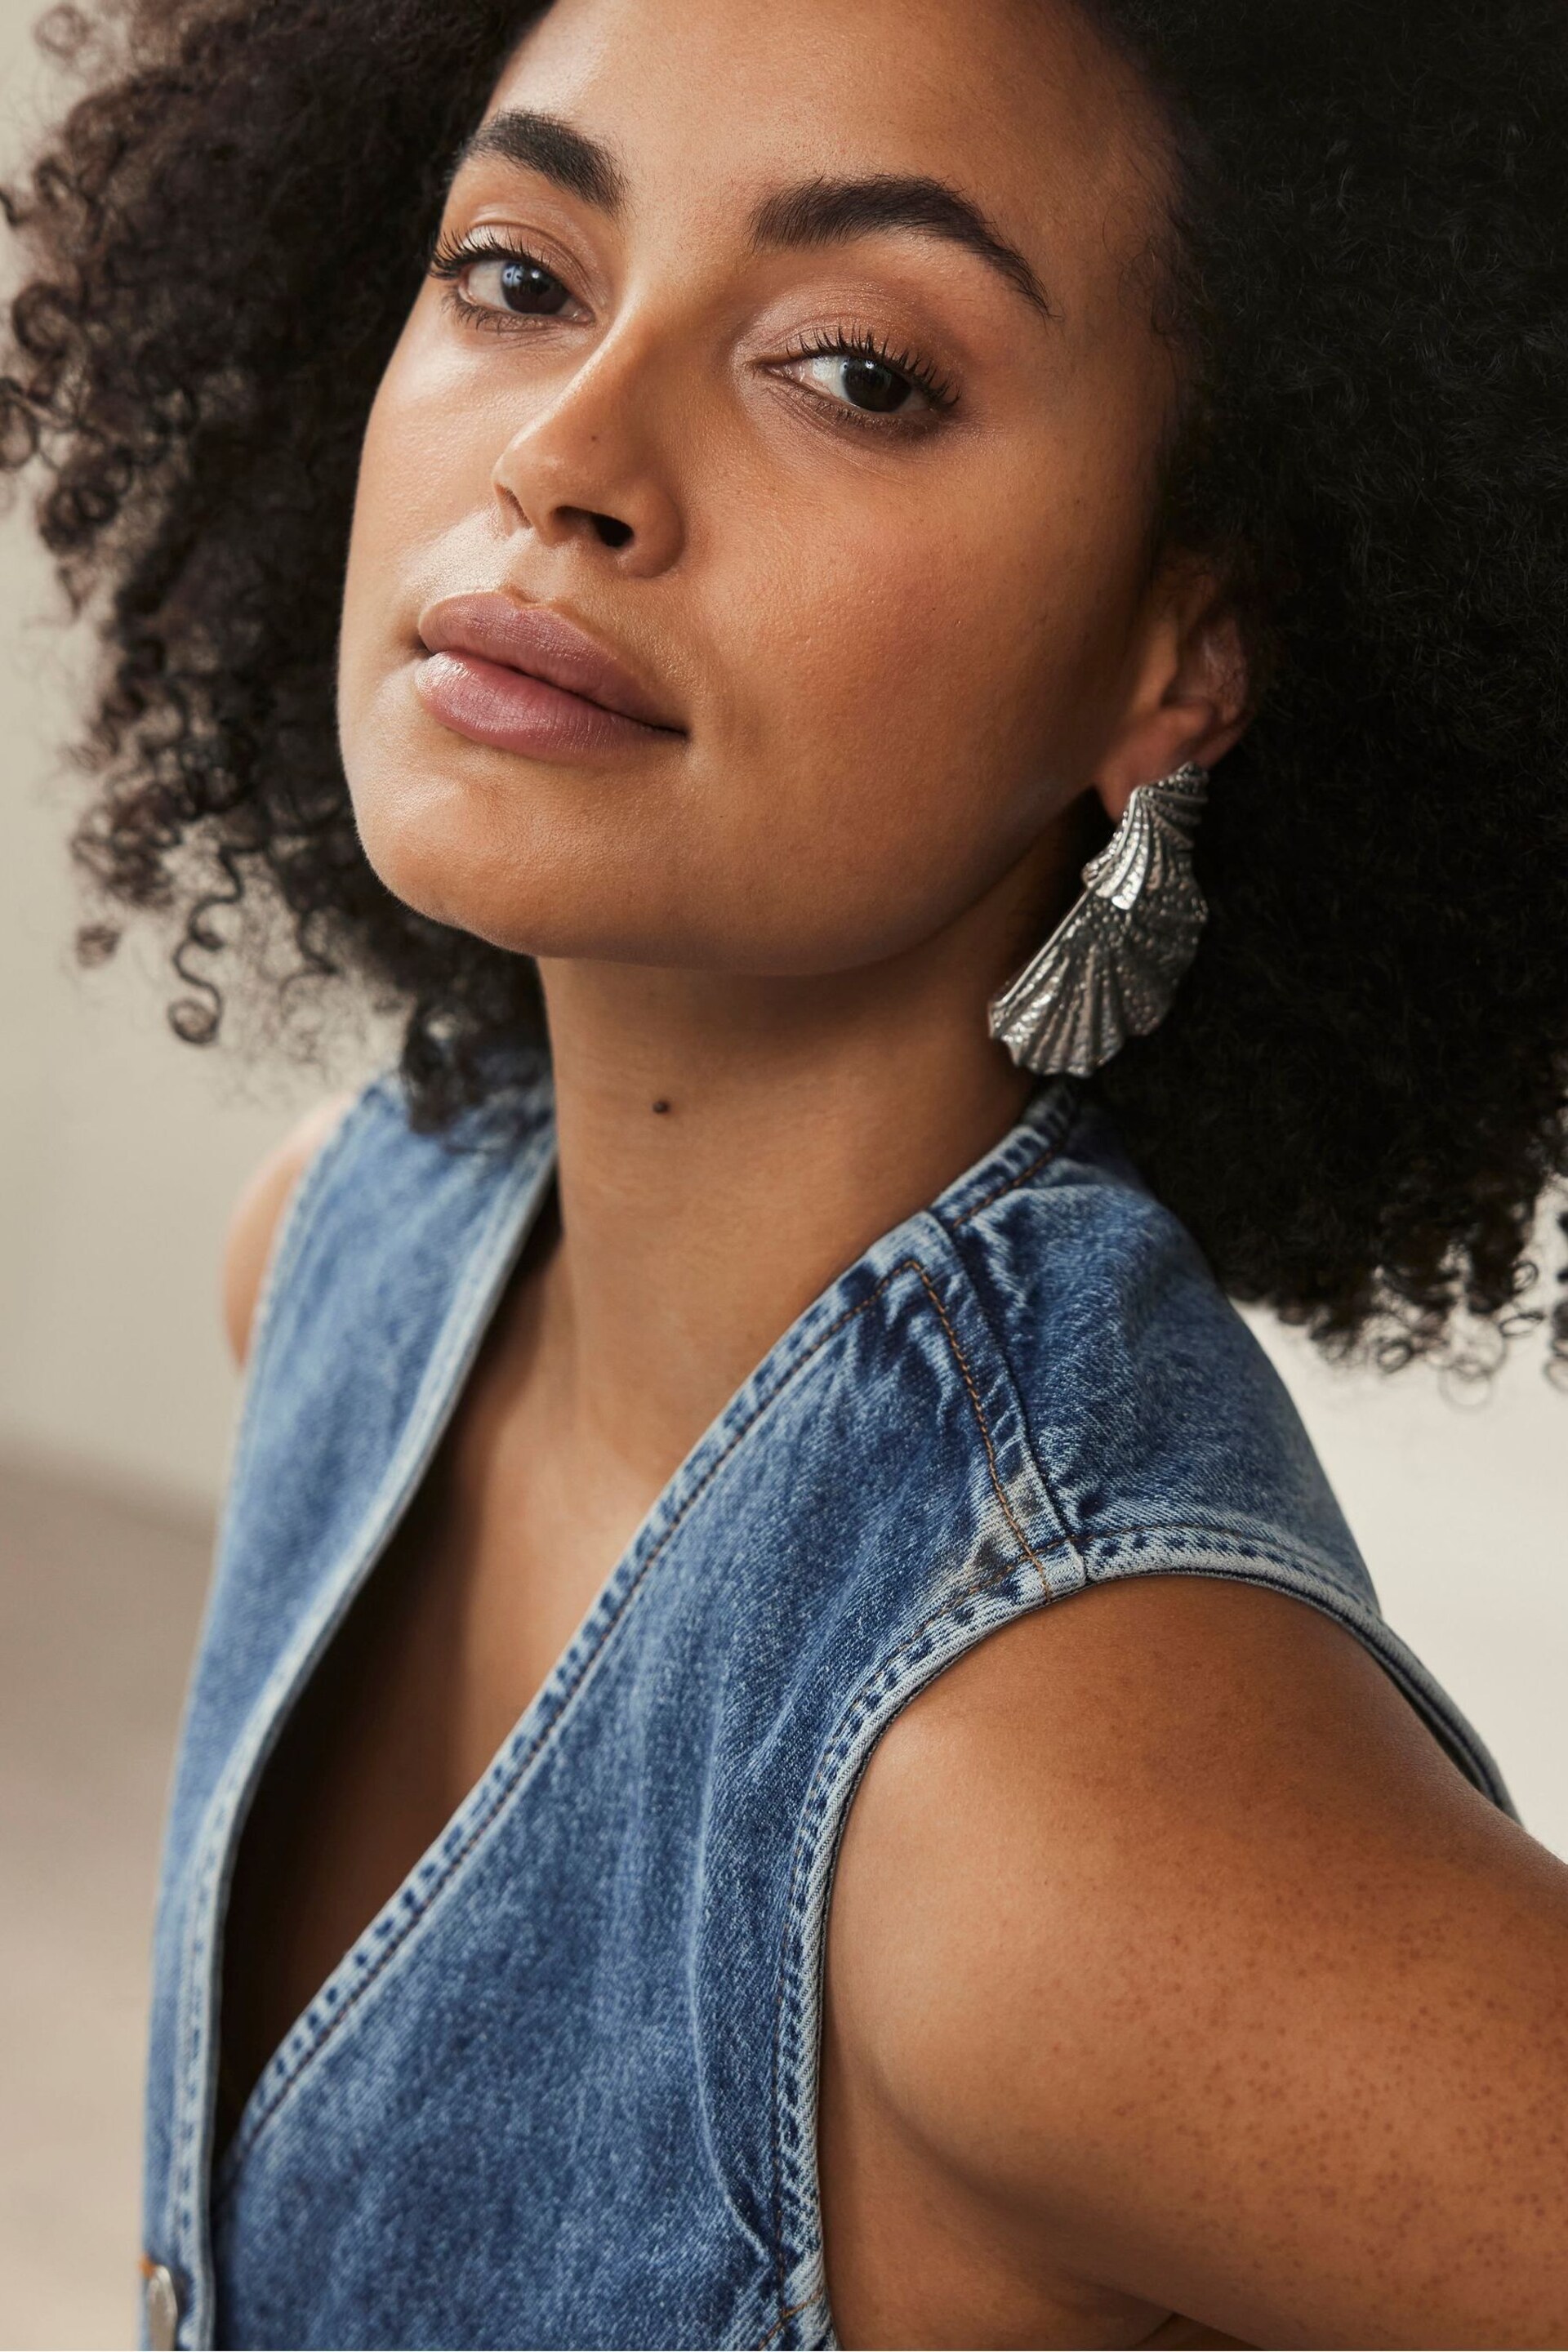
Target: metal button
160,2306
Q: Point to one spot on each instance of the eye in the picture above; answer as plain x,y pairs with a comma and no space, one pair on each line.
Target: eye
502,279
515,282
865,382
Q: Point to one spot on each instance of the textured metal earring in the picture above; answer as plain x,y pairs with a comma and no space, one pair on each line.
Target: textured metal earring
1110,968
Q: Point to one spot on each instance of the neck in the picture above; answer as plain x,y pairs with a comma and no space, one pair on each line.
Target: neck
726,1148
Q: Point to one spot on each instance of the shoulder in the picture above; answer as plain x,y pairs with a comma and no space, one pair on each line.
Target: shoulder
253,1224
1162,1918
1151,1407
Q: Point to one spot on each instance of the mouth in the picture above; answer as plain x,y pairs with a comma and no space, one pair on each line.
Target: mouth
524,678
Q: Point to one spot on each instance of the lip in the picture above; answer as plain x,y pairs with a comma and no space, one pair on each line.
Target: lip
522,678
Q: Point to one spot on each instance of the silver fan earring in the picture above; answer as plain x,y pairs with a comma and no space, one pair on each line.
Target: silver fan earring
1110,968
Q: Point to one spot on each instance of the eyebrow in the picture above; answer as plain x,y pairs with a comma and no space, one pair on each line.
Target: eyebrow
584,167
814,211
830,212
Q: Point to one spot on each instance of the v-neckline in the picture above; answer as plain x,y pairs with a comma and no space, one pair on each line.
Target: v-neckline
481,1288
479,1293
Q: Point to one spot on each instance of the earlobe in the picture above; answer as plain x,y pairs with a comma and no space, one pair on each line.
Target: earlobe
1110,968
1192,699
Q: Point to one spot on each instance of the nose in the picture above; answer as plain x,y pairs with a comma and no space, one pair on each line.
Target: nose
589,468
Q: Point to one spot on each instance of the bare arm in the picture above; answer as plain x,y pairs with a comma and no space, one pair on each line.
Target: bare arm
256,1213
1164,1930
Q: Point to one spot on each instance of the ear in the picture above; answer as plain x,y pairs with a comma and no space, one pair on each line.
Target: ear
1189,694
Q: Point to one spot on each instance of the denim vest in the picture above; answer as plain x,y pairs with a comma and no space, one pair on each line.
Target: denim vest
561,2091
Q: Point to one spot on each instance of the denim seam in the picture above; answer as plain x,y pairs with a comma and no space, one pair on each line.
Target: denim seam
1064,1519
849,1726
179,2213
1071,1117
458,1338
289,1244
1276,1551
1010,1185
517,1767
215,1838
782,2320
884,1677
978,1410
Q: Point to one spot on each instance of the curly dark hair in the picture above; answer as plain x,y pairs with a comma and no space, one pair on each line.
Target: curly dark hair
1359,1099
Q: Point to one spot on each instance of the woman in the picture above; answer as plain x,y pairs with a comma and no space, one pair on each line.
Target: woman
863,1795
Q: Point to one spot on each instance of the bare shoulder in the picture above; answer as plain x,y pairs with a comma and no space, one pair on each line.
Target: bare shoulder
257,1211
1162,1918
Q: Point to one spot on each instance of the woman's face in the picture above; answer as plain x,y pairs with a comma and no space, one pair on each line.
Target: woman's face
790,389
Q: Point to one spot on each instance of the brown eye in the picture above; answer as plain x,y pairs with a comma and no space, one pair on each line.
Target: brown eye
867,384
861,380
514,282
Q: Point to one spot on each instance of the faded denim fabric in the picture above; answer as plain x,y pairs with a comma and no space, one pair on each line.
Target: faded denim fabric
563,2089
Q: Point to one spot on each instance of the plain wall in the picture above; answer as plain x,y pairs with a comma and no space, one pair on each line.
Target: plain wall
120,1152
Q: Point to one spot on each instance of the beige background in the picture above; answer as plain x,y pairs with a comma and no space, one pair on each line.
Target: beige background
120,1153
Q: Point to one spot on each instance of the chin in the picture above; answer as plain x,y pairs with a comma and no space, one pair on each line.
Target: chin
440,864
557,865
480,856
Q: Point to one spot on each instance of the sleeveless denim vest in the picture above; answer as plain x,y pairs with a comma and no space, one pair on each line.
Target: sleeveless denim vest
563,2089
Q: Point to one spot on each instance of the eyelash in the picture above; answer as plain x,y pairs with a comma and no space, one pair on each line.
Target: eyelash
451,255
860,343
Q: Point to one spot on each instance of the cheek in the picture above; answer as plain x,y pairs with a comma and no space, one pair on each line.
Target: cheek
425,470
411,483
924,697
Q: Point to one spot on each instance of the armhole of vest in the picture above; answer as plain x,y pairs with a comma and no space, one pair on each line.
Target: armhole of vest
288,1242
804,2319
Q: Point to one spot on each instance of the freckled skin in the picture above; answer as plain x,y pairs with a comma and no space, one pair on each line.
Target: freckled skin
1169,1952
1178,1989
